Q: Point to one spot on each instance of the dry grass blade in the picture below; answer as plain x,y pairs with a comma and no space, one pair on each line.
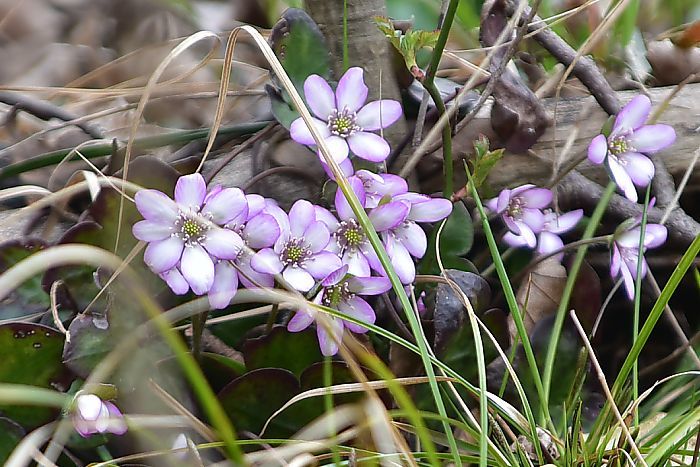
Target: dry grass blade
22,191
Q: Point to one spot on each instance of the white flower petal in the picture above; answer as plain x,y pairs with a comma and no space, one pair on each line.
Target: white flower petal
622,179
223,243
226,205
156,206
163,255
378,114
225,285
190,191
301,133
319,96
151,231
298,278
351,92
369,146
198,269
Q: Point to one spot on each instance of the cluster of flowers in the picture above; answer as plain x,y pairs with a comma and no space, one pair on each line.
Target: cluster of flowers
531,223
210,242
623,152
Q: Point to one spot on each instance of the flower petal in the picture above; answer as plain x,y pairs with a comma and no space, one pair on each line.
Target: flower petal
341,202
369,146
358,309
615,261
249,277
388,216
88,406
225,285
325,216
549,242
628,280
322,264
300,216
301,320
639,167
335,277
655,235
433,210
298,278
176,281
564,222
226,205
338,148
516,241
533,218
317,236
345,167
266,261
261,231
319,96
356,262
632,116
190,191
652,138
163,255
156,206
537,198
351,92
198,269
403,263
302,134
598,149
117,425
256,203
379,114
151,231
369,285
412,236
223,243
329,339
527,233
622,179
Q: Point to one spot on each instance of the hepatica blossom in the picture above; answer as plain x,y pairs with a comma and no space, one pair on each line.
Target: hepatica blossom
625,252
185,236
623,151
298,253
521,211
92,415
343,119
340,291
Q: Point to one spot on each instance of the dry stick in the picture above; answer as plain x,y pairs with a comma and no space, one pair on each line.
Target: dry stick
670,357
606,389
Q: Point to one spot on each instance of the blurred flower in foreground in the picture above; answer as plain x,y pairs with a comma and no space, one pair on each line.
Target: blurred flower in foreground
625,252
92,415
623,152
340,291
343,120
520,209
183,235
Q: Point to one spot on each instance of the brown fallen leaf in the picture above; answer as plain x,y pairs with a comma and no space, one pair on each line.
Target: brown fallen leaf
539,294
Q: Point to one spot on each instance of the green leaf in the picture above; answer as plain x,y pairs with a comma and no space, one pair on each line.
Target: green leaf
29,297
457,238
89,343
484,161
300,47
293,351
251,399
409,43
32,356
10,435
626,23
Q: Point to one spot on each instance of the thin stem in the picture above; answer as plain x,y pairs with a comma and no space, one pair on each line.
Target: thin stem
569,287
346,54
429,85
638,300
198,322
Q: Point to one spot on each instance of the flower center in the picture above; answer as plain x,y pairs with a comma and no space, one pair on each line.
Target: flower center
190,229
349,234
515,208
619,145
343,123
295,252
335,294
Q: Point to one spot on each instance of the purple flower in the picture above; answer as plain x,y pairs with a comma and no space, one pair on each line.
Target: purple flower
348,239
340,291
520,209
259,231
377,186
343,120
92,415
548,239
625,252
299,251
184,236
623,151
407,240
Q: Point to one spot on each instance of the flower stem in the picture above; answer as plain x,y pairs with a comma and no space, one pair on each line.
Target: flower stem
198,321
637,301
569,287
429,85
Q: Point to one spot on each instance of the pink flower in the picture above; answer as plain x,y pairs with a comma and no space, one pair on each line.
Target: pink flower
625,252
343,120
623,152
92,415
